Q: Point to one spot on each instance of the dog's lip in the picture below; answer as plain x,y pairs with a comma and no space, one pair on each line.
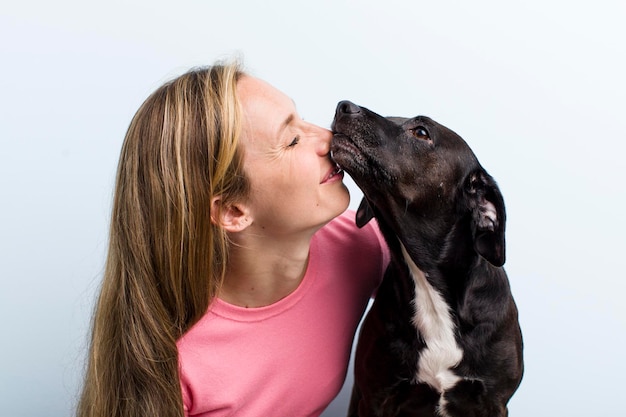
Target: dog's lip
347,152
344,144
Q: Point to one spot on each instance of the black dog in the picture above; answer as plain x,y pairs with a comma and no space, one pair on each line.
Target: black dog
442,337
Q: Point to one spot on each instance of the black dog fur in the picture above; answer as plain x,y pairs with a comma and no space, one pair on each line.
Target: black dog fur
442,337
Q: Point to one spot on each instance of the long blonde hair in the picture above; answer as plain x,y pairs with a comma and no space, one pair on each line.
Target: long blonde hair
166,259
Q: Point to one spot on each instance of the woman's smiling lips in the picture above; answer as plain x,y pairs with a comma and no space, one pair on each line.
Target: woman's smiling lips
334,174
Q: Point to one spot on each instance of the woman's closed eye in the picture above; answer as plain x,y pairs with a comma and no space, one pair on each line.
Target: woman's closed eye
294,142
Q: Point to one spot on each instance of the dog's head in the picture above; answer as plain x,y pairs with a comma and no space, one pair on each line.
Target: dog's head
422,180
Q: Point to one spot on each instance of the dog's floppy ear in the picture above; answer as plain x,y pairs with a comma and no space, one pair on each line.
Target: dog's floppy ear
488,216
364,214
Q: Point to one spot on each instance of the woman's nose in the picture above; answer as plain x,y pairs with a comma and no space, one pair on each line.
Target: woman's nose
325,136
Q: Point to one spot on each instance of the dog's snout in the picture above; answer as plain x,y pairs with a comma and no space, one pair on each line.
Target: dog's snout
347,107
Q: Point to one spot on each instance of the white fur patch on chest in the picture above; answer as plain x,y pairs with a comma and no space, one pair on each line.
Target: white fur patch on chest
433,320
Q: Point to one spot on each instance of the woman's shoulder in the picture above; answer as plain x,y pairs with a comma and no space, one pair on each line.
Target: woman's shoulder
342,231
359,256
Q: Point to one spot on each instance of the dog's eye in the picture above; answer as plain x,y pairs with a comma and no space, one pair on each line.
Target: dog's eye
420,133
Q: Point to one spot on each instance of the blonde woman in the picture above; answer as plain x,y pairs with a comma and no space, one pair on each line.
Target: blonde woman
235,279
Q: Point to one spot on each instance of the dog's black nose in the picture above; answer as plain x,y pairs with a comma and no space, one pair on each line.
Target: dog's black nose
347,107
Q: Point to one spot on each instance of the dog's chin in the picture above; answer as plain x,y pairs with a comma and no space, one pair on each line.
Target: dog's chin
347,155
365,171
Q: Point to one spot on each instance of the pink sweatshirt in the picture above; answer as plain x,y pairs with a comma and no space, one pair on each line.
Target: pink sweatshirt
290,358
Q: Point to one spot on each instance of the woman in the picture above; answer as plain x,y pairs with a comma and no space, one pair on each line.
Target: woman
233,283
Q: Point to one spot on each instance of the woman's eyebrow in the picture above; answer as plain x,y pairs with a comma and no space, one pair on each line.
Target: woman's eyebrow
286,123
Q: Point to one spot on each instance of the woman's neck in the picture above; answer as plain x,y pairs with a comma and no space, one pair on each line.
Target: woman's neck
263,271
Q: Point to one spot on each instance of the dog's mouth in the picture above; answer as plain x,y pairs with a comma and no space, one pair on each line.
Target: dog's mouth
354,146
345,153
334,161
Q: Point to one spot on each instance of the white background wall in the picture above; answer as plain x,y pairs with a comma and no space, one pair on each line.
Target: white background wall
537,88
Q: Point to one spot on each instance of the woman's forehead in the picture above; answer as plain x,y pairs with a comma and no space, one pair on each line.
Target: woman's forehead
252,90
266,109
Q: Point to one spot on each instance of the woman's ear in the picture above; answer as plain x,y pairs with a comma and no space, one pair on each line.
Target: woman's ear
232,217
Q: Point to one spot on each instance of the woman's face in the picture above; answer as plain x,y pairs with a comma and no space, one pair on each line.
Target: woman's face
295,186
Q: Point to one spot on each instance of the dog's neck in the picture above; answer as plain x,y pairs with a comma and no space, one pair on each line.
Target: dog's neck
433,320
448,254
